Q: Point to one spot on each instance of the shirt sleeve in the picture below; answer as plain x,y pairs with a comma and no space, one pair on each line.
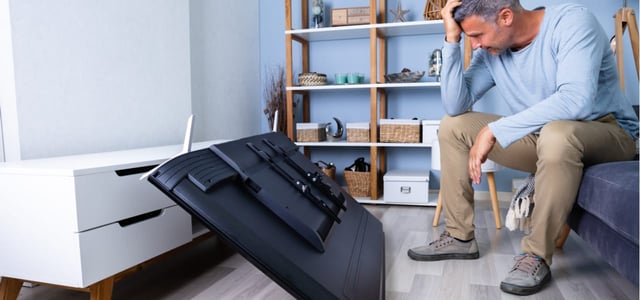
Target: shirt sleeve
460,89
578,43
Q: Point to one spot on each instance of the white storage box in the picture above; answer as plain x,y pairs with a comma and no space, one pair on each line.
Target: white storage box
430,131
358,132
406,186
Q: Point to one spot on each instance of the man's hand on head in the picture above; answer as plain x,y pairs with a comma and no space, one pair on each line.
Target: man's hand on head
451,27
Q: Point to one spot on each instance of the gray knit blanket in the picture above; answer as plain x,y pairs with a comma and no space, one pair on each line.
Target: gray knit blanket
519,214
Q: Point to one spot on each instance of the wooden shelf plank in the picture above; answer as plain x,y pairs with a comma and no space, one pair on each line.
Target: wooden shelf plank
362,31
419,84
352,144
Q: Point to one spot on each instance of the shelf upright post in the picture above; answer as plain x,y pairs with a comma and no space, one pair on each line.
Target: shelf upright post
382,70
306,114
373,95
289,38
289,69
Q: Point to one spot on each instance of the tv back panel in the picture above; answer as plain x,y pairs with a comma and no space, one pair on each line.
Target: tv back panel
279,211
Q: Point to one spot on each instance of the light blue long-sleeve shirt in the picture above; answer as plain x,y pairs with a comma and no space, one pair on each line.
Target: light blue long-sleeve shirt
568,72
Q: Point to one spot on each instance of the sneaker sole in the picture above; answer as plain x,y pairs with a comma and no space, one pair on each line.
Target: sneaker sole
443,256
524,290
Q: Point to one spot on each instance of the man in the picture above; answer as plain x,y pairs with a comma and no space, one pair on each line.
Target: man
554,68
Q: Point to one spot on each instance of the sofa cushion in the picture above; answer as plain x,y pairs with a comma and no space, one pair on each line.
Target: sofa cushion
609,191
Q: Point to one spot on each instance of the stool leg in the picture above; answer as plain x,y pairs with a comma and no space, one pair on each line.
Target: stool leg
564,234
436,217
491,181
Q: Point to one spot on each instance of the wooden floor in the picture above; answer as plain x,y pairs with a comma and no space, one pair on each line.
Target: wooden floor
211,270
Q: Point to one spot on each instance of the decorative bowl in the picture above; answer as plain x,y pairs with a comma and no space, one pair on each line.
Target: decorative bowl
404,77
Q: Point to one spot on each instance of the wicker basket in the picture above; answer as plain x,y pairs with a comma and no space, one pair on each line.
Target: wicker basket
311,79
328,169
311,132
399,131
358,183
432,9
358,132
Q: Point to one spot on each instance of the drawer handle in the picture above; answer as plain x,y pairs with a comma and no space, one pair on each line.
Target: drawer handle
405,189
139,218
133,171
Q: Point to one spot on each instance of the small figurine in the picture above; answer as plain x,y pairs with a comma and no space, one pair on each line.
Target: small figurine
435,64
317,8
398,13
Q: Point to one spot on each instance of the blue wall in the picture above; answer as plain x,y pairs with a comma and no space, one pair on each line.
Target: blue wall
411,52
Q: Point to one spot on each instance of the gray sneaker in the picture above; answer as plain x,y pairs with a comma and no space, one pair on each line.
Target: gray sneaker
445,247
528,276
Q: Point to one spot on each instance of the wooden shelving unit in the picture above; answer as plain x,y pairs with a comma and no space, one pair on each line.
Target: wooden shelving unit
377,33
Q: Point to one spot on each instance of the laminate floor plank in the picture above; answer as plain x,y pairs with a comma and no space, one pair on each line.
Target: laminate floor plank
211,270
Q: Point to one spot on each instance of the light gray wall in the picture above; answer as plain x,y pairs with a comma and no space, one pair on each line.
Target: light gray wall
95,76
91,76
225,68
7,83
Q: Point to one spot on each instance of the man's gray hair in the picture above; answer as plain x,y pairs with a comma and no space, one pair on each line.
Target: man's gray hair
486,9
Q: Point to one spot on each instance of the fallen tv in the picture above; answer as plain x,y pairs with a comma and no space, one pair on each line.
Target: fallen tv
283,214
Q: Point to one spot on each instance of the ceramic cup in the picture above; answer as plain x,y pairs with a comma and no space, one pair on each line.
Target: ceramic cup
353,78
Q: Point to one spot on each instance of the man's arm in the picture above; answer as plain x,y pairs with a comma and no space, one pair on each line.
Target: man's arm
579,45
459,89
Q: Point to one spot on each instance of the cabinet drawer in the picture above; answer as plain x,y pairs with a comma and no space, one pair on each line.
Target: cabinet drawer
110,249
103,198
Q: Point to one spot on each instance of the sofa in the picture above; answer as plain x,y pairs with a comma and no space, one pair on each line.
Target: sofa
605,214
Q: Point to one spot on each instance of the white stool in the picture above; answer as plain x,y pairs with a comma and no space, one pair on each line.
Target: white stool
488,167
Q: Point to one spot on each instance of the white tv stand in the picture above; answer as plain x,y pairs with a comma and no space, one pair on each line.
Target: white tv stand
84,221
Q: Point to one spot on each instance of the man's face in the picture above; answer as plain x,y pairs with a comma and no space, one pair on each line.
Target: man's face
488,35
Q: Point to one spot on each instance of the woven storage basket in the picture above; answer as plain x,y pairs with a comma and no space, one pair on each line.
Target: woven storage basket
358,183
310,132
328,169
311,79
399,131
330,172
432,9
358,132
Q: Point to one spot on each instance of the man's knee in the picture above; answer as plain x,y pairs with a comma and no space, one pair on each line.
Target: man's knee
451,124
557,139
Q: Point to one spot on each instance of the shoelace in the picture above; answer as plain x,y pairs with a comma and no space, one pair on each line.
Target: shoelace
527,263
444,239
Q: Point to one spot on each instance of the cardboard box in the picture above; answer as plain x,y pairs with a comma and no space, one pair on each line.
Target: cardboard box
403,186
350,16
399,131
430,131
358,132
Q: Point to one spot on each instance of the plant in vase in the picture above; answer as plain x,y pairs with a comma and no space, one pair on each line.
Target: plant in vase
276,99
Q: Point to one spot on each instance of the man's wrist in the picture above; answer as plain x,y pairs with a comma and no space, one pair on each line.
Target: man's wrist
452,38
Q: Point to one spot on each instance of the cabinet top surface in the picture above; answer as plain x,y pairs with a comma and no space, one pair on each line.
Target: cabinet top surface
84,164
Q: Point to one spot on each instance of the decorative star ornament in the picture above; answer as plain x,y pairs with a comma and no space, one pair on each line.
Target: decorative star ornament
398,13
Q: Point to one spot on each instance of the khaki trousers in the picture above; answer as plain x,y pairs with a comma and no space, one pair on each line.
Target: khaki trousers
557,156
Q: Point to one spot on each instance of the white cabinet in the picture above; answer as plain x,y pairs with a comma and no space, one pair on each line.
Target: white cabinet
76,220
